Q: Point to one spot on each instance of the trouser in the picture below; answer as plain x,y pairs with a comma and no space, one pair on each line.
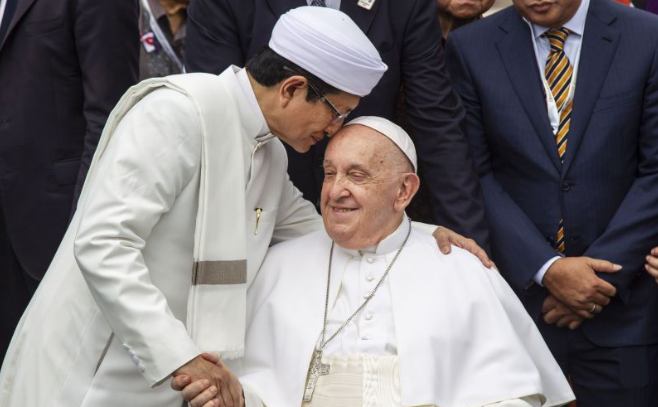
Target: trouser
16,289
605,377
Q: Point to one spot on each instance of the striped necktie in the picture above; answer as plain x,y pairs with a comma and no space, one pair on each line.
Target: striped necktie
559,73
319,3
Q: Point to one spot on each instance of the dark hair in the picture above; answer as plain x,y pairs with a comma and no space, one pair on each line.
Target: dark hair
267,68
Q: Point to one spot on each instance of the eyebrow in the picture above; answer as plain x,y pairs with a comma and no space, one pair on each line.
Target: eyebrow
354,166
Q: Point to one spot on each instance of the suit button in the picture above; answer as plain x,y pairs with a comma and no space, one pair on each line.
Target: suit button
566,186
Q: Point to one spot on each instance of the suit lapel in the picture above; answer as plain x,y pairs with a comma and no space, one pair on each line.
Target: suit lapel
599,44
362,17
518,56
21,9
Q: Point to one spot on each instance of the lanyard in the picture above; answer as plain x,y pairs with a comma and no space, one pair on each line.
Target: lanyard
162,39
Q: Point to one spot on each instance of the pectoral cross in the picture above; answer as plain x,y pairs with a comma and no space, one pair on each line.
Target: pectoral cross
317,369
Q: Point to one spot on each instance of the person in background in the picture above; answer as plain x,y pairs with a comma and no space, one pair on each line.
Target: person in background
162,29
64,64
562,119
456,13
228,32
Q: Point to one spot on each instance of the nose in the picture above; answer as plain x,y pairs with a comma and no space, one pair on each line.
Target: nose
338,189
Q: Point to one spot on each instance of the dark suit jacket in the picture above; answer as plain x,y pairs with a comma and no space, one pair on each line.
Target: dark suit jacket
607,188
408,37
63,66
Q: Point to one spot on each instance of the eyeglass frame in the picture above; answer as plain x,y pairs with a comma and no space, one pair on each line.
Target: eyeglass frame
339,116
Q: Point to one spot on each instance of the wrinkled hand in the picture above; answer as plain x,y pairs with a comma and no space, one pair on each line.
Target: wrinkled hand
573,282
446,237
206,382
555,312
652,263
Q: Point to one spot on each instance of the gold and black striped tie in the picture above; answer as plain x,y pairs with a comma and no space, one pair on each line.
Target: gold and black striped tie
559,73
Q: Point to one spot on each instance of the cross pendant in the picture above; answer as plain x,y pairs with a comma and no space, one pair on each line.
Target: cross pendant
317,369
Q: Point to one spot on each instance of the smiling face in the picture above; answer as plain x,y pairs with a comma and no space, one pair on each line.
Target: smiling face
301,123
368,183
547,13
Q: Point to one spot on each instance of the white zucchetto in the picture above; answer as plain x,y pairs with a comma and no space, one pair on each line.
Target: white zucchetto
328,44
394,132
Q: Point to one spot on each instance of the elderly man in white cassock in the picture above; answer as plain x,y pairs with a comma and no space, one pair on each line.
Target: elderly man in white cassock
368,312
187,191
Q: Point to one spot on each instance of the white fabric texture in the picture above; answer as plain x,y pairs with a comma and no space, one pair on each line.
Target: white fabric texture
394,132
106,339
463,337
371,332
328,44
374,381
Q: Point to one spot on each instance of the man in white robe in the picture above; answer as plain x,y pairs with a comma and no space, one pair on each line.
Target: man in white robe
436,329
113,317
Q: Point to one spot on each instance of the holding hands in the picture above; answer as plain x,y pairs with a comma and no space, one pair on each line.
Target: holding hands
206,382
576,292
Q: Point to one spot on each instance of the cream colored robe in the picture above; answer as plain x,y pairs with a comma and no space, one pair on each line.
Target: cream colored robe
104,339
463,337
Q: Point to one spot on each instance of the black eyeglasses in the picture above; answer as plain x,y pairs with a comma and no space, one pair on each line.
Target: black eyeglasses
338,115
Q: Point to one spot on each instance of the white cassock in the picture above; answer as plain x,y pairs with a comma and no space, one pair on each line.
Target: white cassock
441,331
137,221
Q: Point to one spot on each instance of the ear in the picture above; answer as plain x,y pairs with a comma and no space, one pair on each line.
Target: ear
289,87
408,187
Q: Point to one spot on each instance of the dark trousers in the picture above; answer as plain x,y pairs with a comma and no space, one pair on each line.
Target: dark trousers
16,289
605,377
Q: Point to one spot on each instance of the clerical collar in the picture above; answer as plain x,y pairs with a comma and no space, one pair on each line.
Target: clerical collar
389,244
258,127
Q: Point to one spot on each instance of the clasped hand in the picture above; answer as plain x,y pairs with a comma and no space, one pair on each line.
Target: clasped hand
576,292
206,382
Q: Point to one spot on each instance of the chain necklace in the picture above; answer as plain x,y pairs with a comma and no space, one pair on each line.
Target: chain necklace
317,367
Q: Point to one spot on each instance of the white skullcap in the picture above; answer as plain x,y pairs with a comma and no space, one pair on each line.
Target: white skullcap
328,44
394,132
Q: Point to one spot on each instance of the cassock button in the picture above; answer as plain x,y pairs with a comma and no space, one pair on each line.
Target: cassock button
365,338
370,260
369,316
366,295
370,277
141,368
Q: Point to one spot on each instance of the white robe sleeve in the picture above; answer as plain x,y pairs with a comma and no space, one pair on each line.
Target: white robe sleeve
296,216
152,156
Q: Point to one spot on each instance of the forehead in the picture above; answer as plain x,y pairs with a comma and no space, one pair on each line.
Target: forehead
358,144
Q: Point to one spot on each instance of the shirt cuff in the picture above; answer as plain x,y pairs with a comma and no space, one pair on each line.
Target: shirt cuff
540,274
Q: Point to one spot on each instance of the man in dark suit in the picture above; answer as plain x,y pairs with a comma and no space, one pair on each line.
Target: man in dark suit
63,66
408,37
562,119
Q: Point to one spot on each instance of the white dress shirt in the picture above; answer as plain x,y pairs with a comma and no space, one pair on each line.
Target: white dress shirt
335,4
542,48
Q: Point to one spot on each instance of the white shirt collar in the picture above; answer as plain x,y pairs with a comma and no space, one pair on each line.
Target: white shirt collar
257,127
389,244
575,25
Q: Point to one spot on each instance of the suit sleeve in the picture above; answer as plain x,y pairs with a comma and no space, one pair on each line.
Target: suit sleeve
435,114
633,230
213,40
152,157
524,248
107,42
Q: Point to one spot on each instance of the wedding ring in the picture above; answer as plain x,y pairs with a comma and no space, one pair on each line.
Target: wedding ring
593,309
